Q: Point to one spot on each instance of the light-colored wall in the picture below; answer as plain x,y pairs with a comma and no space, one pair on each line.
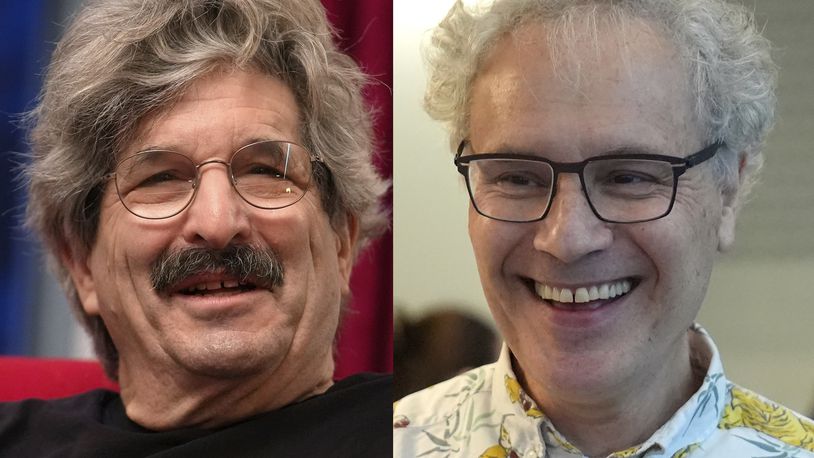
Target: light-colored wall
759,307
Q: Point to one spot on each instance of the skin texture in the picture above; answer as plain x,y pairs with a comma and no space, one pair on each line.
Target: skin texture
187,362
606,379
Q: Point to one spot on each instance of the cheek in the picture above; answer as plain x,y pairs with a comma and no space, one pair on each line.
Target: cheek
493,244
128,242
290,231
482,244
135,246
683,249
305,242
121,264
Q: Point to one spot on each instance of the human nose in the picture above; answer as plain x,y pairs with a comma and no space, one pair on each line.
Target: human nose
571,230
217,215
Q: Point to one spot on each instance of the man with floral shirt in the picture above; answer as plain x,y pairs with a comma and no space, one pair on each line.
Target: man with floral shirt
607,148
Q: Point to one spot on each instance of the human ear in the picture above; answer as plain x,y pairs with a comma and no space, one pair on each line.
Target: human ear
729,208
82,278
347,237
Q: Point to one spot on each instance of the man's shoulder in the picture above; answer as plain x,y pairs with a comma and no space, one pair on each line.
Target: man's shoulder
37,424
439,402
84,405
753,421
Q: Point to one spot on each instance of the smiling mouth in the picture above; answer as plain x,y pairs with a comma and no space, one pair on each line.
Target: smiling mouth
218,287
588,297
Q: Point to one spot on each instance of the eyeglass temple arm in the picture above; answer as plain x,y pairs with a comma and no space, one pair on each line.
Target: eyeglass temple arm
460,167
703,155
691,160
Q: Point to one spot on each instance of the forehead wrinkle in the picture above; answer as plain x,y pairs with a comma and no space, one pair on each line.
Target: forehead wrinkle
181,123
185,137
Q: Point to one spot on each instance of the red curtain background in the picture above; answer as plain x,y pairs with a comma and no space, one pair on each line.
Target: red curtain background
366,339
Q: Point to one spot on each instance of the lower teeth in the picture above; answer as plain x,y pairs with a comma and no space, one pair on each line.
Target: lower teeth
592,305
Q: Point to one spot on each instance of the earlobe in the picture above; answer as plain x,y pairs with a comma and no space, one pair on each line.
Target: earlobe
82,278
726,228
347,236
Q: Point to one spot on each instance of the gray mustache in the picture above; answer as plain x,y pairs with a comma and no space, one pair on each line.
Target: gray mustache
263,265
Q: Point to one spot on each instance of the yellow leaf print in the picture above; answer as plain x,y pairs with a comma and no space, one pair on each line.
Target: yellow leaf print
685,452
747,410
495,451
626,453
505,439
501,450
518,395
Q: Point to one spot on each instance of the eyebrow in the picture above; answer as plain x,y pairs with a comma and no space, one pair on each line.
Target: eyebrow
619,150
175,149
153,148
630,149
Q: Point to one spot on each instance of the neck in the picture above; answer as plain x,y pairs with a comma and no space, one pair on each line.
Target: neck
621,415
166,400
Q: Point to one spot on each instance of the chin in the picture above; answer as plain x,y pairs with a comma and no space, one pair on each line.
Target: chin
582,371
589,374
229,355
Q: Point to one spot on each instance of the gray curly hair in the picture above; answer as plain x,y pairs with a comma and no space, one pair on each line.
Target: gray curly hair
728,63
122,60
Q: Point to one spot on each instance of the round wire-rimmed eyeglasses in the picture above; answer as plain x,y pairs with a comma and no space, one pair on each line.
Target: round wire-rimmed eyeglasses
159,184
619,188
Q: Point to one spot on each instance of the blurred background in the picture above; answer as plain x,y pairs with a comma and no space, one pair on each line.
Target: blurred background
759,307
34,316
35,319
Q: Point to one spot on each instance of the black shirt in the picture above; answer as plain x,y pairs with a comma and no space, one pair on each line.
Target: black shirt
351,419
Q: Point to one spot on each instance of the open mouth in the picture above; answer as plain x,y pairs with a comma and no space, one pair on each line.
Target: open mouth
217,287
588,297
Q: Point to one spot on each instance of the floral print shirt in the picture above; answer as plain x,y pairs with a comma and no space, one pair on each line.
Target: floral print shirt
485,413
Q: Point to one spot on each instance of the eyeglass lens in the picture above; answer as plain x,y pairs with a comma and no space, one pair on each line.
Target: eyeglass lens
620,190
159,184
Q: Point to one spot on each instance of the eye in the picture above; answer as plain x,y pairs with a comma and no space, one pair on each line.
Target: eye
518,179
623,177
264,169
629,174
160,178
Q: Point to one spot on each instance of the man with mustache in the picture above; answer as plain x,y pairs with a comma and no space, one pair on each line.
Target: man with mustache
201,175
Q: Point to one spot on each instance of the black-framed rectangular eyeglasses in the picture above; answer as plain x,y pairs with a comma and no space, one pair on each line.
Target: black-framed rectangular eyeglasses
619,188
158,184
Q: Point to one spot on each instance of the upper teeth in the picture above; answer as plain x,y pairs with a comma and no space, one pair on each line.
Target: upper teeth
583,294
215,285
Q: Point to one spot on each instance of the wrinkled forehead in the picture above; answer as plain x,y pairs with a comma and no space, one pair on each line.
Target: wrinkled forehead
211,105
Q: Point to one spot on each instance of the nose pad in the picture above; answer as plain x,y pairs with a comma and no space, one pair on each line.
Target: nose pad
217,214
571,230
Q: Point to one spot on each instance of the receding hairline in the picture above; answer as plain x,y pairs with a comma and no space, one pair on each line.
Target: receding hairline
641,46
